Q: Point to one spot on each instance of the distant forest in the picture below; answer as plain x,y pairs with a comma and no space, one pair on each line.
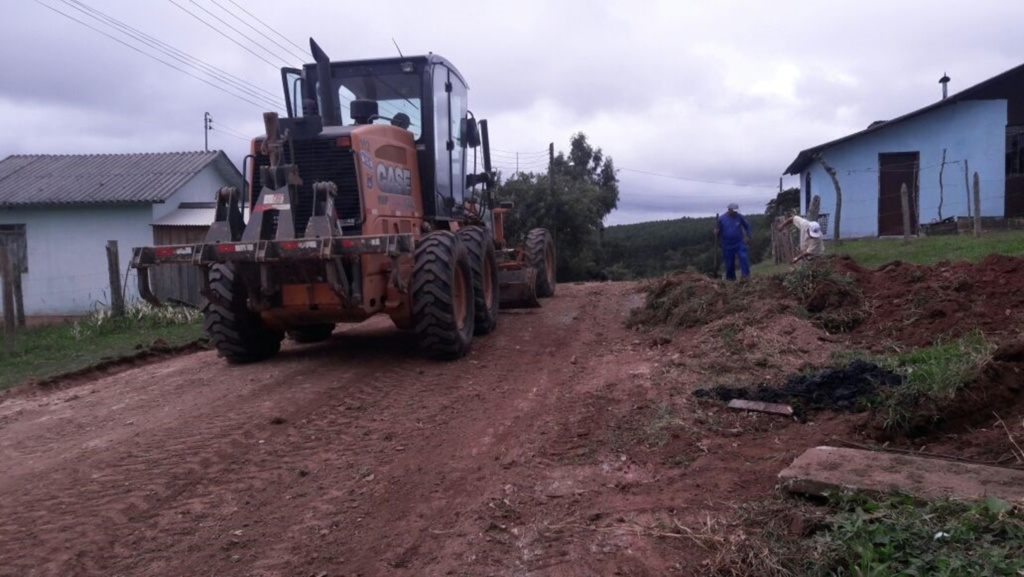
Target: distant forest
649,249
576,193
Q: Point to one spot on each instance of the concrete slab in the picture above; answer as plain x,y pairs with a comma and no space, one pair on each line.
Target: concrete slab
822,470
760,407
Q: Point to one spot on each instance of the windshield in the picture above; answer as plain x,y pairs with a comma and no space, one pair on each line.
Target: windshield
394,91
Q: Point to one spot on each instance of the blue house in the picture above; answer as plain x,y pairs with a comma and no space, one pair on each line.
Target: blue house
935,151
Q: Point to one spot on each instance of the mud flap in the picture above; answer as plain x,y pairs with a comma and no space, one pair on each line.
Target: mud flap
517,288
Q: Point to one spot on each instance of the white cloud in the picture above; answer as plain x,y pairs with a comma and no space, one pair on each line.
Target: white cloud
725,92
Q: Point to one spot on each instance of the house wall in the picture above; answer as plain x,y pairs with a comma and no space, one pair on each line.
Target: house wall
67,258
202,187
971,130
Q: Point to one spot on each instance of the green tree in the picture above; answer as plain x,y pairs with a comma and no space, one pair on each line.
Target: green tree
571,201
783,203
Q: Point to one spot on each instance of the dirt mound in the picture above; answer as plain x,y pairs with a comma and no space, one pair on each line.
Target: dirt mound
917,305
844,389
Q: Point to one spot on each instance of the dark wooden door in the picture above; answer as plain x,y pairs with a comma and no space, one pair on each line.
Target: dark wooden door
894,170
177,282
1014,196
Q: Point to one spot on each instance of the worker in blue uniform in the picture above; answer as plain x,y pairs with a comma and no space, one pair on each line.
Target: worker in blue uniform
733,233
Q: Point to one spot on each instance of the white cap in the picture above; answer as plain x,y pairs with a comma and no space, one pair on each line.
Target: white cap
733,206
814,230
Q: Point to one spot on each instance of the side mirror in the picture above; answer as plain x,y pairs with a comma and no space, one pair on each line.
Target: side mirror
470,132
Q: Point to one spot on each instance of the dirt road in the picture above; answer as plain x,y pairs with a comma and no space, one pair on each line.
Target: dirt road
564,444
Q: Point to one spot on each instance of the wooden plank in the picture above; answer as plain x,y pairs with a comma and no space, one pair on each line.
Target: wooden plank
823,470
758,406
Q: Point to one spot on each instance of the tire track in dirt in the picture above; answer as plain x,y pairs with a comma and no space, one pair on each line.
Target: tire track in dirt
212,443
353,455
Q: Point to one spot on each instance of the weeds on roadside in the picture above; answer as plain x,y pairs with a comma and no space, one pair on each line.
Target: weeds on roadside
898,535
43,352
137,314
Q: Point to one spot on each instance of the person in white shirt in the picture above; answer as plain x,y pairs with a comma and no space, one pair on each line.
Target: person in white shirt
811,243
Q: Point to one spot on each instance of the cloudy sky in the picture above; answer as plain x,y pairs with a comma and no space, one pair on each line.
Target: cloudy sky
698,103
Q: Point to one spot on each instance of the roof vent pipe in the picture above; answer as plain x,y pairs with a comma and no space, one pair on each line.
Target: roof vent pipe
944,81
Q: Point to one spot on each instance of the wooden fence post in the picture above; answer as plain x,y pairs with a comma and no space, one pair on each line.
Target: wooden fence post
967,186
7,271
19,296
905,202
814,209
116,300
977,205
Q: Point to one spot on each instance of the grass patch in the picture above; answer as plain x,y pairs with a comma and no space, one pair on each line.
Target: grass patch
47,351
900,536
874,252
932,378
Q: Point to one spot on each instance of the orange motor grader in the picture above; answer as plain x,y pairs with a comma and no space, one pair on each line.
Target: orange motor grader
384,213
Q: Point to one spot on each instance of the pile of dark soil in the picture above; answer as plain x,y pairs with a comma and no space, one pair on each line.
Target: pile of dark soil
839,389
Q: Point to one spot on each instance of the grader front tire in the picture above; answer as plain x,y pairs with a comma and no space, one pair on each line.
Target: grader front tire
442,293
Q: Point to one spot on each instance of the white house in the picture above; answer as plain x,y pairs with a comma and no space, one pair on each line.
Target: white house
65,208
935,151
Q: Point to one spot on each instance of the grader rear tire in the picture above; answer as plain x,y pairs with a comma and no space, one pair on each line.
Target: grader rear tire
442,293
237,333
484,266
540,255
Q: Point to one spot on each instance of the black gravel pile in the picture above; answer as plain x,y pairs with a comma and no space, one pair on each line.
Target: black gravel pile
835,389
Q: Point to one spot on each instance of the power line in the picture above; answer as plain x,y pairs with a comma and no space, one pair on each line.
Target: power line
214,28
165,63
179,55
239,32
232,129
301,57
301,49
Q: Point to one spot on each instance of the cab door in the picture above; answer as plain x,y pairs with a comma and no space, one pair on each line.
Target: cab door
449,145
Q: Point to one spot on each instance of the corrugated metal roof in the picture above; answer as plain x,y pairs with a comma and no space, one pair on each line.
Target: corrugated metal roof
99,178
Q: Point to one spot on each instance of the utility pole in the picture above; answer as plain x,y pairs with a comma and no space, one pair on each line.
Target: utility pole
207,127
551,168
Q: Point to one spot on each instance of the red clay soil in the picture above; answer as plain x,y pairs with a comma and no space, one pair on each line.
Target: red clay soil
564,444
919,305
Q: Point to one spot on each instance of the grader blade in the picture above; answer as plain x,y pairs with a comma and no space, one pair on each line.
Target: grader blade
517,288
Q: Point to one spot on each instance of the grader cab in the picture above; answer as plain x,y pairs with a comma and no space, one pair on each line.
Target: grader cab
384,213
